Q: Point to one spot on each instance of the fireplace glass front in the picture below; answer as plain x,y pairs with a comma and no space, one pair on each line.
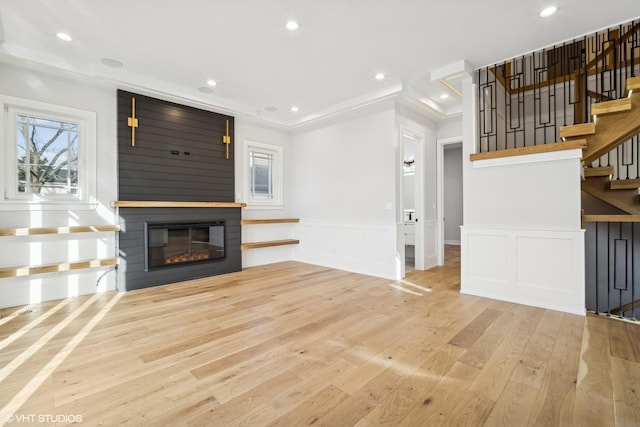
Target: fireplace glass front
181,243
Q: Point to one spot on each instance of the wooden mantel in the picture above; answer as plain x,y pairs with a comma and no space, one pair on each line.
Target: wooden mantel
165,204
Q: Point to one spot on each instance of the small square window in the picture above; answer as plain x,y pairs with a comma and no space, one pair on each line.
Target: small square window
263,174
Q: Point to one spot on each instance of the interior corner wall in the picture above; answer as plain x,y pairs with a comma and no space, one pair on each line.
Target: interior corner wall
250,130
521,240
82,93
449,128
343,178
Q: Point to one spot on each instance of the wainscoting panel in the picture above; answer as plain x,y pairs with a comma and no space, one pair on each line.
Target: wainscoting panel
360,248
431,244
542,268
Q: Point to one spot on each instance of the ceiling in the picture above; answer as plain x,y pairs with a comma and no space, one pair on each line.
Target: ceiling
261,69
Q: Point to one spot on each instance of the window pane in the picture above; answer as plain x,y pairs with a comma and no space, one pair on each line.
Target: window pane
261,172
47,156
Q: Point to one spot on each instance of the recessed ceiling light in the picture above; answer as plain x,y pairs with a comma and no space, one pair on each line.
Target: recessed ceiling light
64,36
444,96
379,76
548,11
211,82
112,63
294,109
292,26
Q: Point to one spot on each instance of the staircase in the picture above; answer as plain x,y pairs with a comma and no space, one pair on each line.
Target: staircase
615,122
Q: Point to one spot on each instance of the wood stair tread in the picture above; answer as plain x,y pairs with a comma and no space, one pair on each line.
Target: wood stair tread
612,130
609,107
633,83
582,129
627,200
599,171
624,184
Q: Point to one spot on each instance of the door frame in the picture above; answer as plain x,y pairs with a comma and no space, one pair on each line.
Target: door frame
440,147
419,199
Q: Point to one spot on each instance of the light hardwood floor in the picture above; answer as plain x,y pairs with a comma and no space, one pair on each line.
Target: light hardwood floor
291,344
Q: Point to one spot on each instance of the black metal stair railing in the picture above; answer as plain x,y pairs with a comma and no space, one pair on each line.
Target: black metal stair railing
612,273
625,159
526,100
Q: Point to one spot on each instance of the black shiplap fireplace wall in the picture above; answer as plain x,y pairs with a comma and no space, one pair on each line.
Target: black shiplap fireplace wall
179,156
178,153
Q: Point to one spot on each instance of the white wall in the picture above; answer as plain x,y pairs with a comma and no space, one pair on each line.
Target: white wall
521,238
449,128
249,130
76,92
344,191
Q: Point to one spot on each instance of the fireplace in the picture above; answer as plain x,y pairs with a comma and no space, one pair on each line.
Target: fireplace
180,243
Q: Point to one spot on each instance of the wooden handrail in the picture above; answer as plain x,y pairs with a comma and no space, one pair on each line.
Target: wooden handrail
588,69
612,46
612,218
534,149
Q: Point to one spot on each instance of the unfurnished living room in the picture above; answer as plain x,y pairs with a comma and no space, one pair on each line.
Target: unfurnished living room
317,213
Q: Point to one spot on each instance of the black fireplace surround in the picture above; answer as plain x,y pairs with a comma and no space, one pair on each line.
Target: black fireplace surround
178,156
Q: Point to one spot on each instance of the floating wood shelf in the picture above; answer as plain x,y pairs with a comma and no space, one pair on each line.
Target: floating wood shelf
163,204
58,230
269,221
266,244
53,268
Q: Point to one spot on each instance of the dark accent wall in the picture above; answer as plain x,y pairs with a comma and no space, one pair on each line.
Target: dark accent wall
178,156
178,153
131,271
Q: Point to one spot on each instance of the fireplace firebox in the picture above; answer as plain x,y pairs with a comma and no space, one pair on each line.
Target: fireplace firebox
179,243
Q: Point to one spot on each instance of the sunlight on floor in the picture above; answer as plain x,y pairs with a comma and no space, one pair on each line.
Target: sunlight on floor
397,285
11,338
23,395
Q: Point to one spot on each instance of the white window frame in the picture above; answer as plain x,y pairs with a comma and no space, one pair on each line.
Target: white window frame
85,198
277,175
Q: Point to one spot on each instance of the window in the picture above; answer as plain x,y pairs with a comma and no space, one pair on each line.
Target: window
263,175
49,155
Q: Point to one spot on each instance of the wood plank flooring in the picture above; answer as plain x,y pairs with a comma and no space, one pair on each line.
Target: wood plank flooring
292,344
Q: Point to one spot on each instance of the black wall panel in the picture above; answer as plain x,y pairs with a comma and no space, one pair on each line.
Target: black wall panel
178,153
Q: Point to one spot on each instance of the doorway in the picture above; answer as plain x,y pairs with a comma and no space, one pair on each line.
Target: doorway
449,193
412,200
